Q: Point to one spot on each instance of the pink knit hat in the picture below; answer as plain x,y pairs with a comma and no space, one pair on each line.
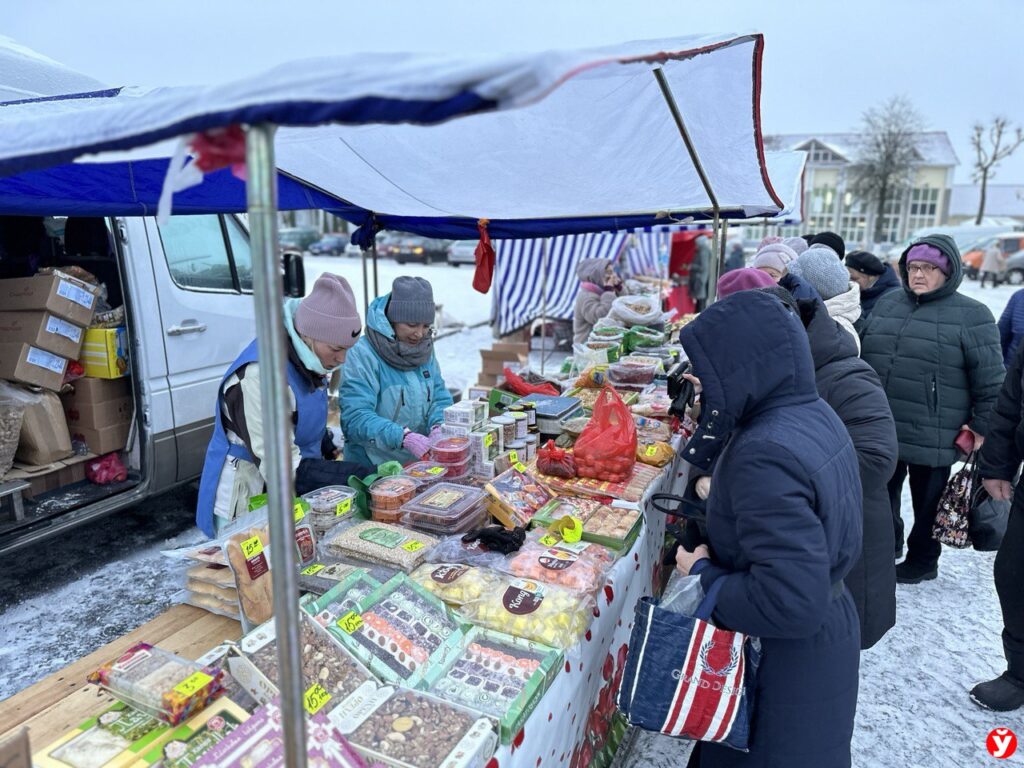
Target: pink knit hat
775,255
744,279
930,254
328,313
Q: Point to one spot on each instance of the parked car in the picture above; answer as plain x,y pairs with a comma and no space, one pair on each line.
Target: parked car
413,248
1015,268
299,237
353,251
964,235
462,252
329,245
974,254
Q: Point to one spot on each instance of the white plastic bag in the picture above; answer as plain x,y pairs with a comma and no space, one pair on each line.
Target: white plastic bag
637,310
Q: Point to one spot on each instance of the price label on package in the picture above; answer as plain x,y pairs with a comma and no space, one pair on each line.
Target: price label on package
313,570
412,546
519,467
435,470
299,512
343,507
651,451
513,458
350,622
194,682
550,540
315,698
252,547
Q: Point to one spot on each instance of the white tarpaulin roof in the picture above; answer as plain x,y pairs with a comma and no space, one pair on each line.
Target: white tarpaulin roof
545,143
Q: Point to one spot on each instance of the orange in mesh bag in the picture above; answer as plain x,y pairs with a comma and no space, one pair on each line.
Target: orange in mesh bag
606,449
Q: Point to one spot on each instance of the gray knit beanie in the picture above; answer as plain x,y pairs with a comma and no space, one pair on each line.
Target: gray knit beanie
412,301
820,266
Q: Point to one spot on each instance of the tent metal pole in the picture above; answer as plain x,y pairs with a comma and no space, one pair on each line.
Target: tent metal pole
268,288
376,283
544,303
724,244
677,115
366,286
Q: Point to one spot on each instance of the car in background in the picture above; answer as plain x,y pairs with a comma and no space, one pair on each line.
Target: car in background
329,245
299,238
416,249
974,254
353,251
462,252
1015,268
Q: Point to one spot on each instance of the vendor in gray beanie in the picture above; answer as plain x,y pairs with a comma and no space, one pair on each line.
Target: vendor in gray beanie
393,396
820,266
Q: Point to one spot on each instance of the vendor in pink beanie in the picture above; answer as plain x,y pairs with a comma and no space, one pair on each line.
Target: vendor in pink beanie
320,329
742,280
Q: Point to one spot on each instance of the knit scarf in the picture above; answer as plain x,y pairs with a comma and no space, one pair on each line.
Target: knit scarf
306,355
398,354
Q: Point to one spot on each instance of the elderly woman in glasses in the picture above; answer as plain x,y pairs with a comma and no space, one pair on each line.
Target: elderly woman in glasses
393,397
937,353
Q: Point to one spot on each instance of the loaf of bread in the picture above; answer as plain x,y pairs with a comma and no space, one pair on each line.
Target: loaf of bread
252,574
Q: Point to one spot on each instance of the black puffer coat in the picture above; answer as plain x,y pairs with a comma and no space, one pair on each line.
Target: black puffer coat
939,360
887,281
851,387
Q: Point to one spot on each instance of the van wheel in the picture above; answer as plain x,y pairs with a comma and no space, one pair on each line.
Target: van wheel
1015,277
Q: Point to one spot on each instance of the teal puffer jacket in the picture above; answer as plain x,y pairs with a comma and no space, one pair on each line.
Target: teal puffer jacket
939,360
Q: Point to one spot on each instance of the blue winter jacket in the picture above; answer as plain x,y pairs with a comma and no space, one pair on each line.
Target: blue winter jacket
784,526
1011,326
378,401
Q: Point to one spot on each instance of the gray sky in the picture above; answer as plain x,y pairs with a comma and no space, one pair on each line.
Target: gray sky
826,61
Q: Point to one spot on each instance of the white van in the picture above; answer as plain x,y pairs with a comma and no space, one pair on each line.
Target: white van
186,288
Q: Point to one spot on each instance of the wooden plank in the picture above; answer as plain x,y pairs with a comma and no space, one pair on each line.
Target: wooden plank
182,629
70,712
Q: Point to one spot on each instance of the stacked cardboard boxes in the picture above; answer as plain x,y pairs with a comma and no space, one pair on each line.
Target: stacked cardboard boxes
99,413
494,360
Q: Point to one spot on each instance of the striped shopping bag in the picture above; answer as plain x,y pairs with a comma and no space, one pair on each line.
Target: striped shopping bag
686,677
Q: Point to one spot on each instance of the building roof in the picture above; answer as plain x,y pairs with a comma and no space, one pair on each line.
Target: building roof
1000,200
934,147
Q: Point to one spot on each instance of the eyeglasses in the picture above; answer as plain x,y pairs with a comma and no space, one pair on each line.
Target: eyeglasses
923,267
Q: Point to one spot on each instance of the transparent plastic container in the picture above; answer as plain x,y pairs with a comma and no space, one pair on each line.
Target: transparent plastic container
474,518
392,492
386,515
450,450
426,473
330,500
626,371
445,504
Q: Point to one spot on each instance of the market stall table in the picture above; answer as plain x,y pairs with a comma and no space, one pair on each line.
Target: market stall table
571,724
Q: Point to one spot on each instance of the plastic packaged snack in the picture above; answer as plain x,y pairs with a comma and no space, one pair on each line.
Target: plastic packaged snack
579,507
211,573
159,683
631,373
328,506
518,495
611,526
452,549
477,517
209,603
400,631
581,567
650,430
655,453
450,450
454,583
391,492
325,574
425,473
534,611
193,738
410,729
555,461
380,543
305,536
248,553
386,515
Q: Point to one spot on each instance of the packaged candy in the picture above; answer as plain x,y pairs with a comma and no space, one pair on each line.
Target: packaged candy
579,507
651,430
581,567
114,738
326,572
328,506
533,610
390,493
159,683
425,473
655,453
193,738
518,494
341,598
410,729
454,583
612,526
380,543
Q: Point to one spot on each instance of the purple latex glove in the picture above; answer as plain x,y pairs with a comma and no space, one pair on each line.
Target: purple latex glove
435,433
416,444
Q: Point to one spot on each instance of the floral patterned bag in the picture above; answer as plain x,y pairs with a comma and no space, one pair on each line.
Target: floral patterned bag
953,519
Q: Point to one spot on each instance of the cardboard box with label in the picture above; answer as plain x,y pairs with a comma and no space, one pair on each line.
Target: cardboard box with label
105,353
44,330
61,294
31,365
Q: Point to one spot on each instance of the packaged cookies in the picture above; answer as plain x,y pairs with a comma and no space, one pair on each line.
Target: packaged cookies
112,739
248,553
518,494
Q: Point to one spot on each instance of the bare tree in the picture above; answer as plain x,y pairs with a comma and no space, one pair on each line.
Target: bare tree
884,168
987,158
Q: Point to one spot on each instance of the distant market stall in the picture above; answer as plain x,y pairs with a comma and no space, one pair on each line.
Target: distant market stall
498,124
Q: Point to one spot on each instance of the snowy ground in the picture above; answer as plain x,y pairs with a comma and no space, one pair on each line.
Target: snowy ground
81,592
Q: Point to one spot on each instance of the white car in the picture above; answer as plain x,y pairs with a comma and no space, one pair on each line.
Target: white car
462,252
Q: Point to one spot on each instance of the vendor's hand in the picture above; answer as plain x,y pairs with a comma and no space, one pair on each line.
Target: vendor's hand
697,388
686,560
416,444
1000,490
979,439
703,487
435,433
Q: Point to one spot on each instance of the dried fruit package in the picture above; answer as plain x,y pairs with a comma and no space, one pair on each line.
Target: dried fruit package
580,567
606,449
454,583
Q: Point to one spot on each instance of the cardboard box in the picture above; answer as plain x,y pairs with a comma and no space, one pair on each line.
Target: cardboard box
105,353
44,330
50,477
120,724
102,440
44,432
99,403
61,294
32,365
494,360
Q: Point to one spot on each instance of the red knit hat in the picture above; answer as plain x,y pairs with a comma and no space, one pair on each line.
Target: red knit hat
742,280
328,313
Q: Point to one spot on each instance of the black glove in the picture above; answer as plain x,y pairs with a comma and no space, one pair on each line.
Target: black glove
498,539
316,473
327,448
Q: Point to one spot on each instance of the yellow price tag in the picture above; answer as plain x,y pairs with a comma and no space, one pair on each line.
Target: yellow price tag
412,546
651,451
549,540
194,682
489,440
299,512
520,467
343,507
315,698
314,569
252,547
350,622
435,470
513,457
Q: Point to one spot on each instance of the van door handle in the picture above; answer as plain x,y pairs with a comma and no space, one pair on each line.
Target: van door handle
189,326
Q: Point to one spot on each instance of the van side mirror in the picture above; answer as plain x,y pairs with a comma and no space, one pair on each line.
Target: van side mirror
294,274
